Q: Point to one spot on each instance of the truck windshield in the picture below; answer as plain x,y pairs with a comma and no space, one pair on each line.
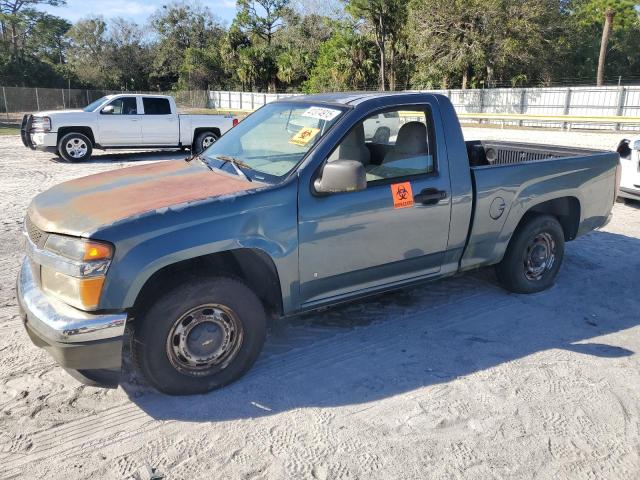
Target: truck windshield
95,104
274,139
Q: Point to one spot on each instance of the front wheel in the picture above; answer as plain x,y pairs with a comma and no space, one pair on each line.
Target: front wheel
533,257
75,147
200,336
204,140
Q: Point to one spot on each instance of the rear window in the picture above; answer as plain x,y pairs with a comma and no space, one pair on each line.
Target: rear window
156,106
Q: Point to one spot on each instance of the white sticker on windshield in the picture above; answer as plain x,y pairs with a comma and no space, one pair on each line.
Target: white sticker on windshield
326,114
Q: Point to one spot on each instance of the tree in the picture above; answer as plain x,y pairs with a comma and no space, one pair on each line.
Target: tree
180,26
346,61
12,14
87,53
128,55
483,41
387,19
262,17
298,44
590,13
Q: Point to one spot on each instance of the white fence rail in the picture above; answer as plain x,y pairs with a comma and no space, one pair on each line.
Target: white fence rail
580,102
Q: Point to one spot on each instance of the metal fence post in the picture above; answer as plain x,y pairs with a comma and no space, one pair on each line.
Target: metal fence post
63,105
523,103
6,108
88,101
252,101
622,95
37,100
567,108
229,106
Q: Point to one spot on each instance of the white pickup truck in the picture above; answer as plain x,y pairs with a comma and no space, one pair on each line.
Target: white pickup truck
121,121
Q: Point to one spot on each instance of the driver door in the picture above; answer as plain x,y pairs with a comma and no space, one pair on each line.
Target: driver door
120,127
360,241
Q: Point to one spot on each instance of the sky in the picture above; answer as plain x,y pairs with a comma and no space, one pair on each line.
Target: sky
134,10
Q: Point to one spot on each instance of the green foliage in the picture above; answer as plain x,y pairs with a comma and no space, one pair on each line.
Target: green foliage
323,45
346,61
180,27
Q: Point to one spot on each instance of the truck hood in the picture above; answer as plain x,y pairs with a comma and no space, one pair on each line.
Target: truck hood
79,207
56,113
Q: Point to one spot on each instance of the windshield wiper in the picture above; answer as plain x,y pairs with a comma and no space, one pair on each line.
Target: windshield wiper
236,164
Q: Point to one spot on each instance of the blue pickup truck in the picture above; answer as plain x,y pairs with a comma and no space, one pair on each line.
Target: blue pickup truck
294,209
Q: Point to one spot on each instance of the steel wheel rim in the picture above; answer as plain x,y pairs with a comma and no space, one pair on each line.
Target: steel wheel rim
208,141
76,147
540,256
207,337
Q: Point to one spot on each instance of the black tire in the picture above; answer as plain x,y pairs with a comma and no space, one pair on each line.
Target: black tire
154,352
204,140
527,266
83,147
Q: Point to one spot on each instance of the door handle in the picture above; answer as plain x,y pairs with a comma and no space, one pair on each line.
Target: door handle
430,196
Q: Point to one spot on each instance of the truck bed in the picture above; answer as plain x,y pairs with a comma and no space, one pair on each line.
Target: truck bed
493,153
509,178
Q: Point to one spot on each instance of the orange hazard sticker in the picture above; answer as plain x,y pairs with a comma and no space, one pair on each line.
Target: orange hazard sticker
304,136
402,195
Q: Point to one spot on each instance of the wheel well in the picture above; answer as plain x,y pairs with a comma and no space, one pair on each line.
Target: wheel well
254,267
565,209
200,130
84,130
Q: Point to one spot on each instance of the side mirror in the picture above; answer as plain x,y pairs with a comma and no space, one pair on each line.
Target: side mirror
341,176
108,110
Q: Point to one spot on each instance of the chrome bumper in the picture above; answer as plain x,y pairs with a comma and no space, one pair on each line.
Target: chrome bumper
90,345
58,322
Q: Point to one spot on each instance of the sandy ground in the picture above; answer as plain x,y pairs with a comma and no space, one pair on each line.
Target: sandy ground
454,379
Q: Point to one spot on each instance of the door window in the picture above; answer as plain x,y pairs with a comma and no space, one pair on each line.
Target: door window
156,106
391,145
124,106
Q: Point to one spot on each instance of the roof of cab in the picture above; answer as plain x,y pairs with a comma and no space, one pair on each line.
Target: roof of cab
347,98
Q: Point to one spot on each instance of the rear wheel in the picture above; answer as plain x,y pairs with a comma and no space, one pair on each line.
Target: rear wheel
533,257
200,336
204,140
75,147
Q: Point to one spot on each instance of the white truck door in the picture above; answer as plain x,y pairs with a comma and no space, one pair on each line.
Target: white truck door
160,125
118,123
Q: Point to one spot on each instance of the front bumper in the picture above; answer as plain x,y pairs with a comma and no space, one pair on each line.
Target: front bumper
45,141
88,346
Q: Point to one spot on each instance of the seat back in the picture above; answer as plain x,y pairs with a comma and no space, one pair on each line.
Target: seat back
353,147
411,151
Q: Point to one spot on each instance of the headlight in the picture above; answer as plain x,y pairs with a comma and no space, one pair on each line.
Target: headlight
41,124
78,275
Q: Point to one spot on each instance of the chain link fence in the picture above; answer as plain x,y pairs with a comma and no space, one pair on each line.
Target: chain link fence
19,100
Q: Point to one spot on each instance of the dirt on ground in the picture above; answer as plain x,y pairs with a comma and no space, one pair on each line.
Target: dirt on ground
452,379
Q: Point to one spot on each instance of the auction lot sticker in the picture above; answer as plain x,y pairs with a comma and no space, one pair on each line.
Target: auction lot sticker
402,195
326,114
304,136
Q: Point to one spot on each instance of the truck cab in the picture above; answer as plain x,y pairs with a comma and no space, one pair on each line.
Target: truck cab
293,210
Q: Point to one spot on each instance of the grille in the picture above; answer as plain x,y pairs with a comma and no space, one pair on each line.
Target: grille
37,236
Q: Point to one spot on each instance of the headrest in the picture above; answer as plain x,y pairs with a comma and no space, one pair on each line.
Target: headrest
412,138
